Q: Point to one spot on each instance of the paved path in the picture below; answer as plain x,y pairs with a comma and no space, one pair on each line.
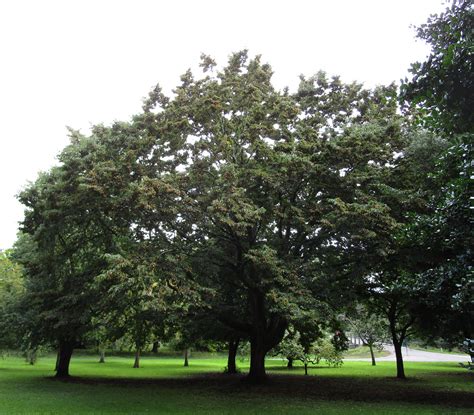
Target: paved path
411,355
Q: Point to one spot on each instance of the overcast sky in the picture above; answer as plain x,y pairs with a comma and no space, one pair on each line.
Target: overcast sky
82,62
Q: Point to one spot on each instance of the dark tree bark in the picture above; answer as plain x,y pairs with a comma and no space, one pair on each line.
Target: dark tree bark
306,369
65,352
186,361
290,363
136,364
371,348
102,356
257,372
398,337
267,332
397,345
155,347
57,361
231,366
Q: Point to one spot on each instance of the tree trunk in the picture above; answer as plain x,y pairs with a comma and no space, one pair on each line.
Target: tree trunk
398,336
397,345
102,356
31,356
186,361
156,345
371,348
65,352
136,365
267,331
306,368
57,361
257,361
290,363
231,366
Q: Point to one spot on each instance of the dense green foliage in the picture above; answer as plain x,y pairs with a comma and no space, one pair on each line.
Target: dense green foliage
231,211
11,289
442,87
442,90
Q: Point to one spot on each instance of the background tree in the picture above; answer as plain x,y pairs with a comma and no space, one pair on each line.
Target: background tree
133,304
67,239
394,288
300,336
11,290
369,327
57,279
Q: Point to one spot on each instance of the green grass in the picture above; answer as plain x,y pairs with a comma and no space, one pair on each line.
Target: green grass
438,350
164,386
363,352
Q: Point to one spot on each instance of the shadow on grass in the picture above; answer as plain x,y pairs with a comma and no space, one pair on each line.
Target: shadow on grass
299,387
312,369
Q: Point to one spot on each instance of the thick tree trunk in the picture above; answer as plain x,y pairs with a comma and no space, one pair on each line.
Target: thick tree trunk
156,345
136,365
257,361
65,352
290,363
267,332
397,345
57,361
186,361
231,366
306,369
102,356
371,348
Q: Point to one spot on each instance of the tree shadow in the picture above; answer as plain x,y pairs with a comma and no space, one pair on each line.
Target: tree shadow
297,369
297,387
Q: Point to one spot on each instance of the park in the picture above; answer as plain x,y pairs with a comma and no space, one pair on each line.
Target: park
237,248
164,385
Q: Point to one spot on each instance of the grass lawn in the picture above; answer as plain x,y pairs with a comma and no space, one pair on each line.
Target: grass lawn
164,386
363,352
438,350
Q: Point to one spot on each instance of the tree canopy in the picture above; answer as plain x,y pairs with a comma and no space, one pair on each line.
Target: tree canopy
237,207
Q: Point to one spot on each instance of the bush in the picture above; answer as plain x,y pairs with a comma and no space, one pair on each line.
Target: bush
325,350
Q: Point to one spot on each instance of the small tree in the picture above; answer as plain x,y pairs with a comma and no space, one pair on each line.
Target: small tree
468,347
296,346
133,302
325,349
369,327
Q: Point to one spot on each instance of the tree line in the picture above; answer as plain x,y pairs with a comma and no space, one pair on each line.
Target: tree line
233,211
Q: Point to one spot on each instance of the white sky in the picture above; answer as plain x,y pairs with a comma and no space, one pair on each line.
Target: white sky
82,62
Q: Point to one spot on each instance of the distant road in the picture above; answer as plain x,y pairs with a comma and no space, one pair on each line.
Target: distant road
411,355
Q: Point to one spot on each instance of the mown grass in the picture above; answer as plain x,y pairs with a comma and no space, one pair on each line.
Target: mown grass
363,352
164,386
437,350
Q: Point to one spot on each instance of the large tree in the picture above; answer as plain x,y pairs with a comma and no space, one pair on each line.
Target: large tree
442,87
255,197
441,94
269,185
65,244
68,229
